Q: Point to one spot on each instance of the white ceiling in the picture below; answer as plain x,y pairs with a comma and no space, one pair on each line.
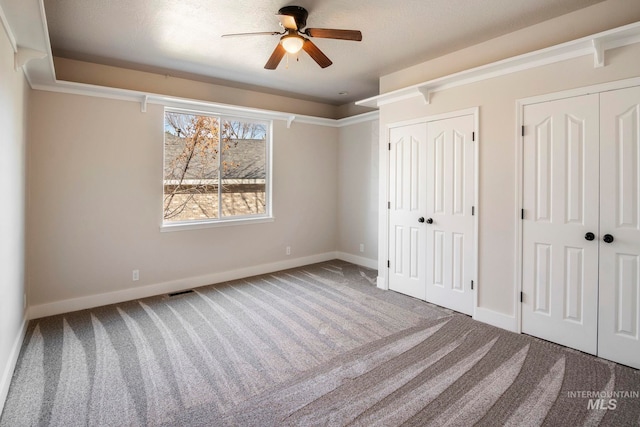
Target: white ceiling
183,37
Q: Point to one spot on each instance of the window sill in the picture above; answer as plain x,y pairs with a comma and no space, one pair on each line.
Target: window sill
197,225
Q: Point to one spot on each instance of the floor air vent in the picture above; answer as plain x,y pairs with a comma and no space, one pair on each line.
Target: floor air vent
175,294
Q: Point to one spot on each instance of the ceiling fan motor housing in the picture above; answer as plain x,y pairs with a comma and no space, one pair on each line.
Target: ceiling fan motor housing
293,19
298,13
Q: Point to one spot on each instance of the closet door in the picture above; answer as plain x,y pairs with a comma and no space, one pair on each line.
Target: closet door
560,226
450,226
407,194
619,317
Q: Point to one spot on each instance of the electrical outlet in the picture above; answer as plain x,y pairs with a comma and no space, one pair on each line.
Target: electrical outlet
288,250
361,247
136,275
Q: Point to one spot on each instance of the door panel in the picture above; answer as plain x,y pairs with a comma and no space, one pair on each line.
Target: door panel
407,196
560,180
619,290
574,283
542,278
450,195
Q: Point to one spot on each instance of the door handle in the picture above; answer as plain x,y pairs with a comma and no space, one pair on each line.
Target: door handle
608,238
589,236
430,221
421,219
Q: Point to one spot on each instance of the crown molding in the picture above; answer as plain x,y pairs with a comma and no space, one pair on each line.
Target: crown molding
596,45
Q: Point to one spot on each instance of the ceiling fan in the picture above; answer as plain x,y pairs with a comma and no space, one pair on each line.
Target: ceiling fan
293,19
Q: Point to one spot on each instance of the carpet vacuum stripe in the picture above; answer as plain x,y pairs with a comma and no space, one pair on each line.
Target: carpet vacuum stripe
316,345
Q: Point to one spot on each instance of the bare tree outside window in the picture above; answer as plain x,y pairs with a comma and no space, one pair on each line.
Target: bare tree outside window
214,167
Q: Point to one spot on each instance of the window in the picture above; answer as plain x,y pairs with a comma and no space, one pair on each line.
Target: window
216,168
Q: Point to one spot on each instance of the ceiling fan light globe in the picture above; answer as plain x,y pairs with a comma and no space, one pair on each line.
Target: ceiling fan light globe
292,43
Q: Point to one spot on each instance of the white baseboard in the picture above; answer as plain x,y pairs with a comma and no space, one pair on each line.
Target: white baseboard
495,318
358,260
7,373
382,283
90,301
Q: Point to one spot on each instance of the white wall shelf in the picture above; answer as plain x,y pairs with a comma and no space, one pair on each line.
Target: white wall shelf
596,45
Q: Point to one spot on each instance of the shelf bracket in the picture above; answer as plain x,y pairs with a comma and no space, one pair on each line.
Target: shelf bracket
143,104
24,55
426,94
290,120
598,53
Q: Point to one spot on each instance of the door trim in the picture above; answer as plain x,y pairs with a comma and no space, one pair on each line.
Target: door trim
383,193
520,104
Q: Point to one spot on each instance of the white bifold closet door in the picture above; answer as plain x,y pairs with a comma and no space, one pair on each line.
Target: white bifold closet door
431,225
619,317
581,227
449,223
560,183
407,204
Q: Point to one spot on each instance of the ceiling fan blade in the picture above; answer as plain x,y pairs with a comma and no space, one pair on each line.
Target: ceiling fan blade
316,54
328,33
288,22
275,57
263,33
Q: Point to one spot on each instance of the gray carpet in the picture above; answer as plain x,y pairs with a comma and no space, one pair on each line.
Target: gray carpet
318,345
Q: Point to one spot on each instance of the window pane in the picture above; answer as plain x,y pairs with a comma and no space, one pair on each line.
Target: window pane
191,171
215,168
243,168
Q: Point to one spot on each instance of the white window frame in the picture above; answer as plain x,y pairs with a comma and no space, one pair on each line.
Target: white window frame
224,221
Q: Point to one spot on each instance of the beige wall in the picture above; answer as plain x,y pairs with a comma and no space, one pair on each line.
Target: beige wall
122,78
581,23
351,109
497,101
358,189
95,180
13,103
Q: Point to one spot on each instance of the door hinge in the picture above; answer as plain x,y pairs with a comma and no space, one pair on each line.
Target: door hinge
473,136
388,264
521,296
389,146
472,285
523,130
473,210
521,213
388,205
